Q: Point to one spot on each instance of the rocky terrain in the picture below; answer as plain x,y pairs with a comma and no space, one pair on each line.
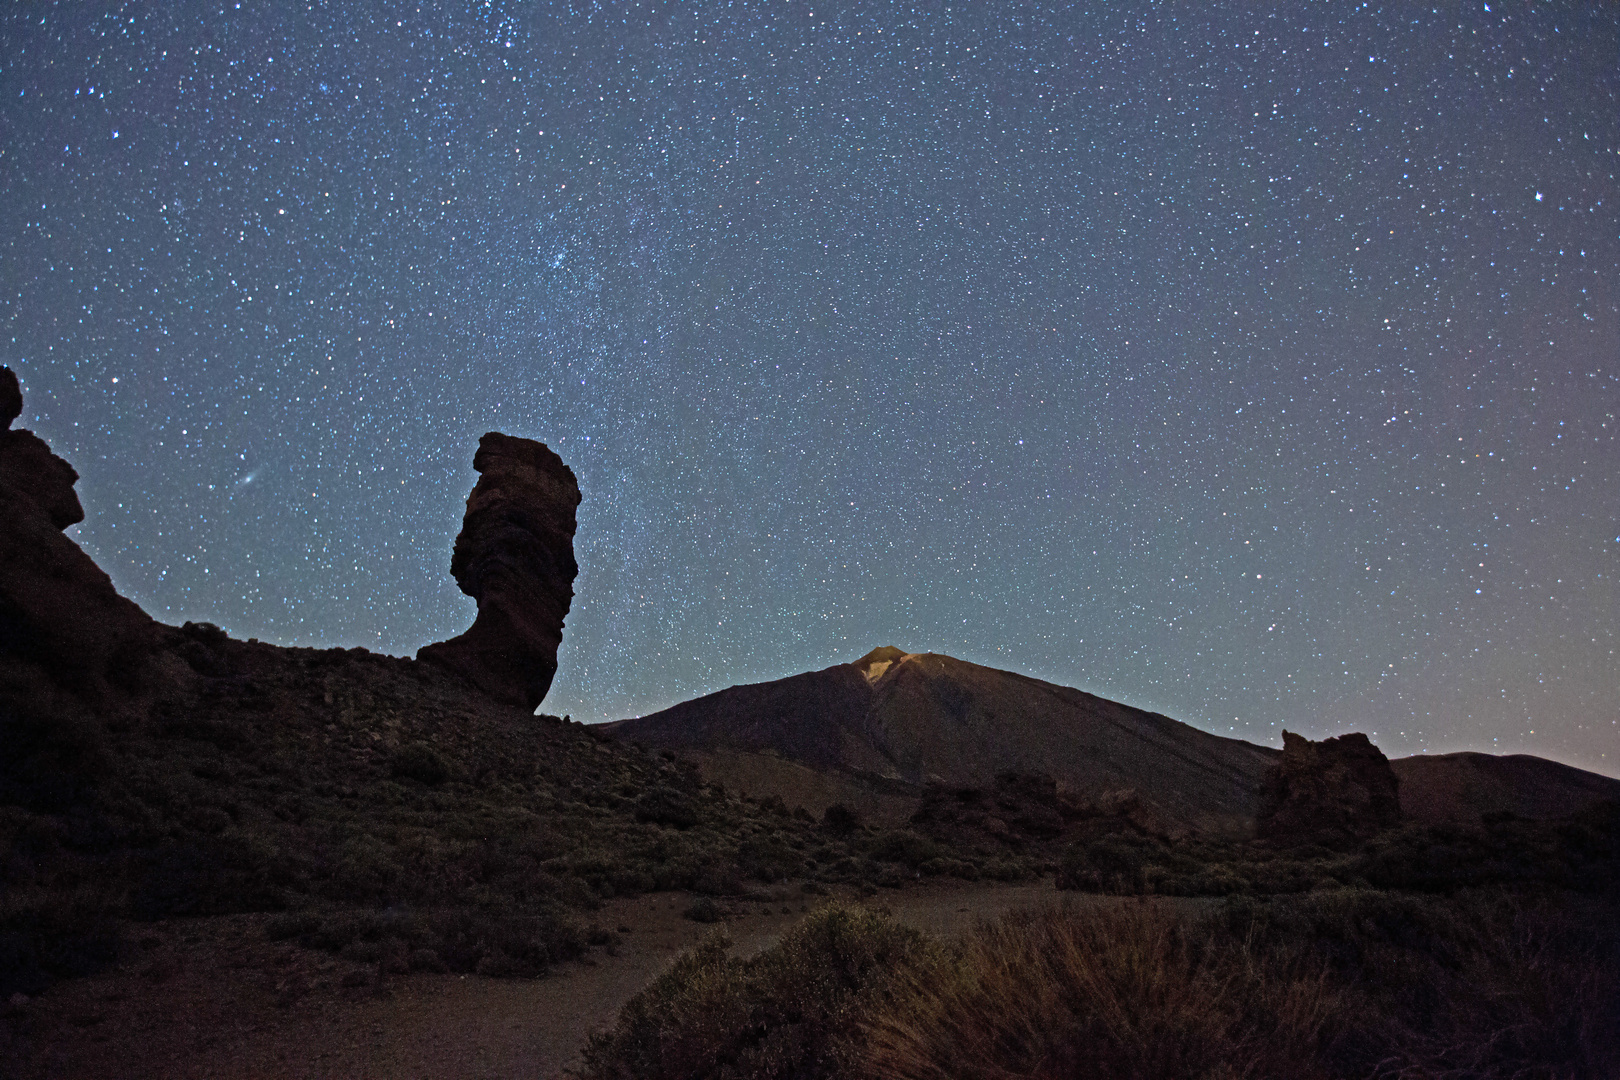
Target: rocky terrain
414,813
353,819
1334,793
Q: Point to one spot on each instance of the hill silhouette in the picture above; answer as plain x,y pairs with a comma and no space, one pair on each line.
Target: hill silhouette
875,732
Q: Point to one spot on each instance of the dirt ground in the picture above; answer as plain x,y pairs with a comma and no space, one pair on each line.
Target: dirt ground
214,998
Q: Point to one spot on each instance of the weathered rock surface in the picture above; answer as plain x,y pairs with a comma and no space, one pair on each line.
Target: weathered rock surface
63,627
1335,792
515,556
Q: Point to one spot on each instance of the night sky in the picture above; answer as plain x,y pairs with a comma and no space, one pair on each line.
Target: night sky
1262,369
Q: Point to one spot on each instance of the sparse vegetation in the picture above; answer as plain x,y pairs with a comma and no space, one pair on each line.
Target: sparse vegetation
485,835
1580,853
420,762
1352,983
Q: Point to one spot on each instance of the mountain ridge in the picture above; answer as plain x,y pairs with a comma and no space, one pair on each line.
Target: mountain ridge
879,729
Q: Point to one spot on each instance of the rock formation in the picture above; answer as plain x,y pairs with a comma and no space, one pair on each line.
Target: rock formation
35,481
1334,793
515,556
63,627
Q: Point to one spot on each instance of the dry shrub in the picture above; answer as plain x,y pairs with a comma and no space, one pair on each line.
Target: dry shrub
782,1013
1116,990
1348,984
1361,984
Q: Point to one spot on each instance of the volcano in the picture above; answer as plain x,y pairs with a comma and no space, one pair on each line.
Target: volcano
892,722
875,733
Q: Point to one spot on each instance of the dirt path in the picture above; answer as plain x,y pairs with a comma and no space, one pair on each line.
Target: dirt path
214,999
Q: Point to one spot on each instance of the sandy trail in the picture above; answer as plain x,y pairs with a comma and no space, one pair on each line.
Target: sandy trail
214,999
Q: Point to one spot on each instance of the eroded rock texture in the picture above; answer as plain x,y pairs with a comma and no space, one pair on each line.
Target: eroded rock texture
63,627
515,556
1334,792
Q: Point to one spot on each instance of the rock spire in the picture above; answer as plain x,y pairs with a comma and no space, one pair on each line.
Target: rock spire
515,556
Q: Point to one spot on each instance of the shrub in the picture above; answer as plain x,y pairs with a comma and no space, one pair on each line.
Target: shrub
1110,864
666,806
705,910
768,859
1347,983
1123,990
904,846
419,761
783,1013
840,820
1342,984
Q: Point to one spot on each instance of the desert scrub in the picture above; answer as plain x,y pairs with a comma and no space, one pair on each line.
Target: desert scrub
1478,984
419,761
1342,984
783,1013
462,939
705,909
1352,983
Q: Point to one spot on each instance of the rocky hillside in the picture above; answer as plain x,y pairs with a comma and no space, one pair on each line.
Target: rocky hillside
893,721
377,803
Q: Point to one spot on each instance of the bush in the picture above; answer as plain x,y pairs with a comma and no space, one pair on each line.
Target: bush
419,761
1110,864
903,846
840,820
1348,983
666,806
705,910
783,1013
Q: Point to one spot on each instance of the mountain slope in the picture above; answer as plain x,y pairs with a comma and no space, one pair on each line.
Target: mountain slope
1462,788
902,720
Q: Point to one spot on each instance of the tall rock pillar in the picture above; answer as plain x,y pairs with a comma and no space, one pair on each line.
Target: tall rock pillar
515,556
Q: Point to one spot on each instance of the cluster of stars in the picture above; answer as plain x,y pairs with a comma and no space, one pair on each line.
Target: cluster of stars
1260,367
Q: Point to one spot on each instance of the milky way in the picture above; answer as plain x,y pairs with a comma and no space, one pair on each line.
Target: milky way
1257,367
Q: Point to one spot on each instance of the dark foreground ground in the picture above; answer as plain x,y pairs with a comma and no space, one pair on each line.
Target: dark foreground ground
216,998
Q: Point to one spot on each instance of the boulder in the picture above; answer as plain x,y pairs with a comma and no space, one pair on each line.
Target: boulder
515,556
1334,793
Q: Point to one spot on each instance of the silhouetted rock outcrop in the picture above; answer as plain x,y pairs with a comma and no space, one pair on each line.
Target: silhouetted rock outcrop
62,624
515,556
1334,792
10,397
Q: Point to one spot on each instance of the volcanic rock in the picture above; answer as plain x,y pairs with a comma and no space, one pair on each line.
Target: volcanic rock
62,624
1333,793
515,556
10,397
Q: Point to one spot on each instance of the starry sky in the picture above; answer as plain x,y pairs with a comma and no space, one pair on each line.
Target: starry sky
1260,367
